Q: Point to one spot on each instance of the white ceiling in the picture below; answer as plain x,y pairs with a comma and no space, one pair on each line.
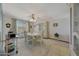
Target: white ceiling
43,10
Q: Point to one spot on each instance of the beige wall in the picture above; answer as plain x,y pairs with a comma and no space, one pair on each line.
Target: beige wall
52,12
63,28
6,19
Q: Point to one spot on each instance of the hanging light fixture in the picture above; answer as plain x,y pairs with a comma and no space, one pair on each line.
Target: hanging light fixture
33,18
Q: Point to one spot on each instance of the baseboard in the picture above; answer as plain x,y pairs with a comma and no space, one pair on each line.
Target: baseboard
56,39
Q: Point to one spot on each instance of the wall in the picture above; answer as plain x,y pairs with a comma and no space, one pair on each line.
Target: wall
63,27
6,19
0,22
76,29
76,15
51,12
1,33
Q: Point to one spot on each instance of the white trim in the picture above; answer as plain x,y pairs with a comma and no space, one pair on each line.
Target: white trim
72,51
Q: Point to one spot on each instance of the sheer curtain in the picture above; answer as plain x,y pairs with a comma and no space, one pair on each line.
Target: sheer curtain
20,27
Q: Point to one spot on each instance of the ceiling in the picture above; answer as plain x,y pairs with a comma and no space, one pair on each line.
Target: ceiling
43,10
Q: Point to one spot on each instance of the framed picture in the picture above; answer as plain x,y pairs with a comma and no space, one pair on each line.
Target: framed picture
8,25
55,24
